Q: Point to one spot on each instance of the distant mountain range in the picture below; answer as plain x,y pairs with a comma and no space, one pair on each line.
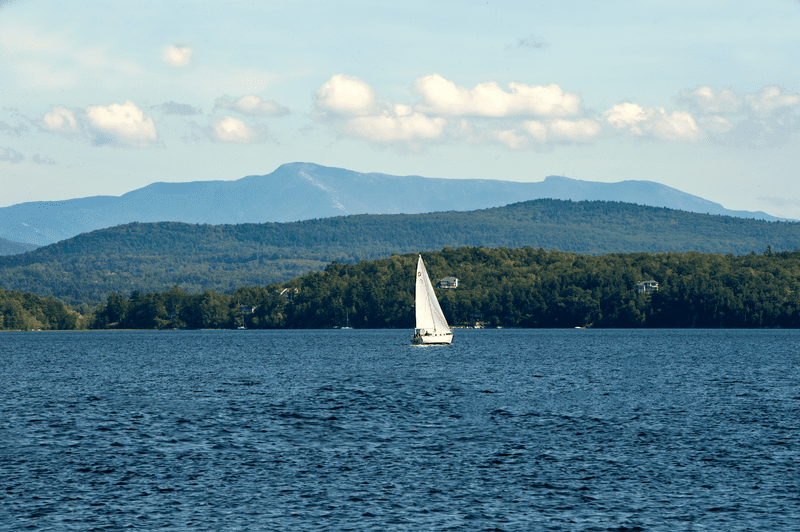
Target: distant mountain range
8,247
304,191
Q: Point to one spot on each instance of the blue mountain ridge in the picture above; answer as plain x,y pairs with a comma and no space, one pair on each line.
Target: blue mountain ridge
8,247
302,191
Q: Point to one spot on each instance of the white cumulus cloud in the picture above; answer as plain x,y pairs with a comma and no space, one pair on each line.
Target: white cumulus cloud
351,107
177,55
626,115
647,122
443,97
347,96
536,129
535,116
251,105
399,125
230,129
60,119
124,124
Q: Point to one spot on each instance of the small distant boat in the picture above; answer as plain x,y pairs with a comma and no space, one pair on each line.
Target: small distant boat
348,322
430,327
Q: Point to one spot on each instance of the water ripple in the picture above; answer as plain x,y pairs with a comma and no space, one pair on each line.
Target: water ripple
334,430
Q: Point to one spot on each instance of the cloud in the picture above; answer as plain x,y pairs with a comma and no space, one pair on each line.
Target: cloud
345,96
230,129
536,129
584,130
715,124
251,105
122,125
706,101
771,99
558,130
579,131
510,138
177,55
533,41
10,155
351,107
443,97
655,123
755,120
60,119
533,116
174,108
400,124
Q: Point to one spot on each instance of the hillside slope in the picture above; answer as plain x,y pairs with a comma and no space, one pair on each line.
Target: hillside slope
157,256
9,247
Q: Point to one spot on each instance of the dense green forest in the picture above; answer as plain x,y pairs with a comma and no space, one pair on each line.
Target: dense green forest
154,257
29,312
522,287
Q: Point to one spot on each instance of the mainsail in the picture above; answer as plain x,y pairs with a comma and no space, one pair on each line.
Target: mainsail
429,315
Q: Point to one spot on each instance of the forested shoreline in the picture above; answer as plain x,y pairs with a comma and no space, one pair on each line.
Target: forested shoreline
154,257
523,287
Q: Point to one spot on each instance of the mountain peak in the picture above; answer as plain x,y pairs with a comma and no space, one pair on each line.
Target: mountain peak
303,190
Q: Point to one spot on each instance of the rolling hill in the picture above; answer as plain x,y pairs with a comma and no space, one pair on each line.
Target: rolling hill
157,256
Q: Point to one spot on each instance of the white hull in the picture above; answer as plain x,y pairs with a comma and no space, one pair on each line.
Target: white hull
432,339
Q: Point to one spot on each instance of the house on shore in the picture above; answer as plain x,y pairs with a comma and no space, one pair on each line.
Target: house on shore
448,282
646,286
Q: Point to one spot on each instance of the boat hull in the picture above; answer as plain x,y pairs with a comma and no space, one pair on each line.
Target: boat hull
432,339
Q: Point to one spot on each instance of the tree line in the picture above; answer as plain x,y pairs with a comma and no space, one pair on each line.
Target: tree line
522,287
154,257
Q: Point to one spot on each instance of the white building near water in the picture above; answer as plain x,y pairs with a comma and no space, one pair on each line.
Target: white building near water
448,282
646,286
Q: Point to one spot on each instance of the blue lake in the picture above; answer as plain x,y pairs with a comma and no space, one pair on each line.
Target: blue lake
358,430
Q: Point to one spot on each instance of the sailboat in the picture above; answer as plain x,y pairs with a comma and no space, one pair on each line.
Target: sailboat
348,322
431,327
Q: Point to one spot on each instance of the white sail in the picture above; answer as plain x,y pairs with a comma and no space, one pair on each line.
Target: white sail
431,326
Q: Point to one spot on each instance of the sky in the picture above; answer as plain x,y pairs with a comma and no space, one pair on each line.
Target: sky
101,98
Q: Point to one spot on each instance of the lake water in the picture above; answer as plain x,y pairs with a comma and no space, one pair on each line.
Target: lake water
357,430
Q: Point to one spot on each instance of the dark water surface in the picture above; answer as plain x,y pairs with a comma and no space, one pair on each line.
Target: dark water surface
357,430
